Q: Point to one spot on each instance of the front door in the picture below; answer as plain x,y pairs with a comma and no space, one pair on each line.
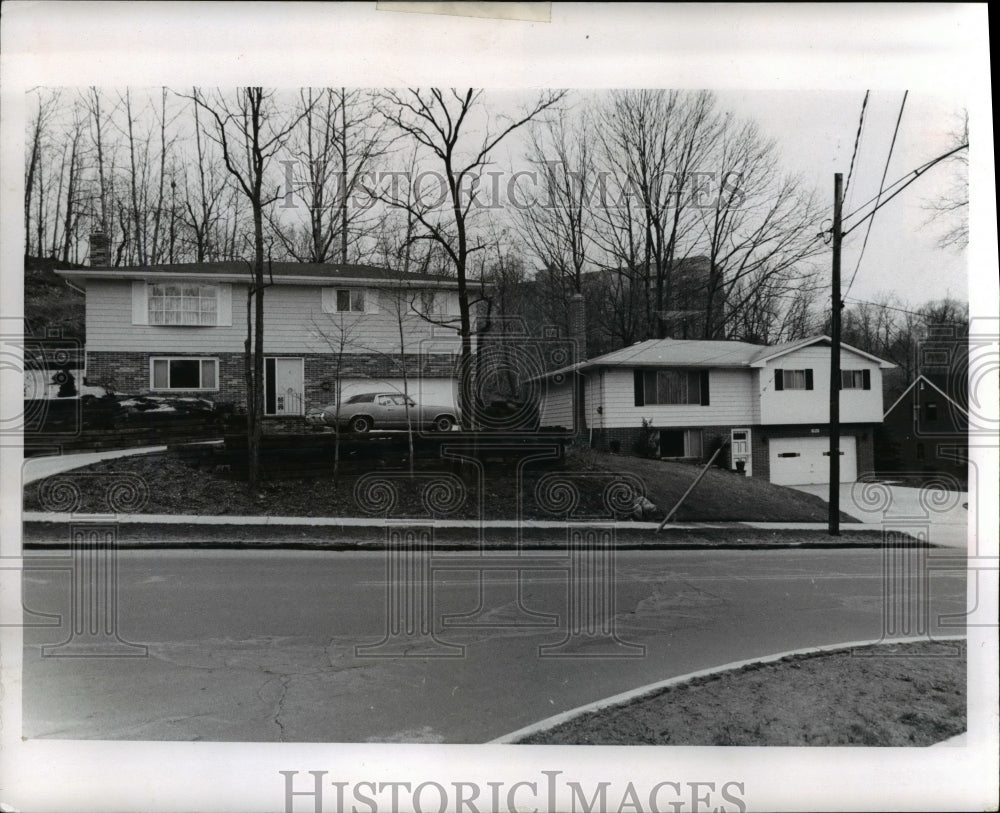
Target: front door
283,381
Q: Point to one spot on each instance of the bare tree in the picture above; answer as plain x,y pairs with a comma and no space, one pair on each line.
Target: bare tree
558,225
38,125
439,122
758,228
341,136
951,211
652,141
249,131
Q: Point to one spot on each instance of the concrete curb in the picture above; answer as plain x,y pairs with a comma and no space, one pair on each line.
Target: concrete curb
636,694
381,522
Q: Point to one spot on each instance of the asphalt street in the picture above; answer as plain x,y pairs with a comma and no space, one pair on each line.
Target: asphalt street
333,646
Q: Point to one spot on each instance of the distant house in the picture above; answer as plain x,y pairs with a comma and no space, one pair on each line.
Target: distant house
924,431
770,402
181,330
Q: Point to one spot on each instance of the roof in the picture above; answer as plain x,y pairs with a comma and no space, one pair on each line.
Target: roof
705,353
925,380
290,272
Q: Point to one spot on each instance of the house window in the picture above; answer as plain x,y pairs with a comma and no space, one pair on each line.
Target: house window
855,379
183,304
432,303
671,387
793,379
932,411
350,299
184,374
680,443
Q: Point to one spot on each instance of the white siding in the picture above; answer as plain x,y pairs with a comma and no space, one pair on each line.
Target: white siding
294,322
557,405
813,406
594,400
731,400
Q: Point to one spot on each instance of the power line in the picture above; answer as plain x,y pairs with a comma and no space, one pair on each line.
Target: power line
887,307
881,189
916,173
857,140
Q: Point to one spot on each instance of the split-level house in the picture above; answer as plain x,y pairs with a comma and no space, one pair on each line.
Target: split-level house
771,403
329,330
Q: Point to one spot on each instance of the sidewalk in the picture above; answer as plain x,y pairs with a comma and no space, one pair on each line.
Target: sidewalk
38,468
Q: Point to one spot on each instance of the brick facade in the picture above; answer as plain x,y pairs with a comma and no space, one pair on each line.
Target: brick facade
623,441
129,373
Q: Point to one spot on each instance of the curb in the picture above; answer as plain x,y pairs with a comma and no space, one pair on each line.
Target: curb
635,694
233,533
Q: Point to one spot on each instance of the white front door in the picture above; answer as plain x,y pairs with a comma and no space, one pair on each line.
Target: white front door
283,386
800,461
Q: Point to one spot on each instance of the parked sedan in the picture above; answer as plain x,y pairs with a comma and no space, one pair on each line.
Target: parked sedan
384,410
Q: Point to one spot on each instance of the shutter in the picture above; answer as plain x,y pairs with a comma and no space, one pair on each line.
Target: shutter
329,300
140,308
637,383
224,305
704,387
779,380
809,379
371,301
866,379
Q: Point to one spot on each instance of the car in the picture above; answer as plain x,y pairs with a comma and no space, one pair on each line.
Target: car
384,410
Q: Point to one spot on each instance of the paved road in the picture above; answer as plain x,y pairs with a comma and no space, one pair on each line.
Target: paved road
261,645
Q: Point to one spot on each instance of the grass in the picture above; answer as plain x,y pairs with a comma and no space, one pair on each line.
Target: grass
904,695
175,486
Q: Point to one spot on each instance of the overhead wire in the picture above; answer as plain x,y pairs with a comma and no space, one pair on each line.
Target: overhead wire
857,141
881,189
916,173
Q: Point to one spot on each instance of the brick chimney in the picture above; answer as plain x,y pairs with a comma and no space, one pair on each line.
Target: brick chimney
100,249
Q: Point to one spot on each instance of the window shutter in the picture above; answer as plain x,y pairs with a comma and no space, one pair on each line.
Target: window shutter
779,380
140,308
329,300
637,379
371,301
704,388
866,379
809,379
224,305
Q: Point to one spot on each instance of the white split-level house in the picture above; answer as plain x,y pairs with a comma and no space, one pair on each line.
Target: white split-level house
770,402
181,330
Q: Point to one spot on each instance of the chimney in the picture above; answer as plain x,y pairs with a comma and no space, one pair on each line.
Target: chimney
99,249
578,325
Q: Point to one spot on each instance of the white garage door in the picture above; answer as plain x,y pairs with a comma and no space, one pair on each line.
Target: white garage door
797,461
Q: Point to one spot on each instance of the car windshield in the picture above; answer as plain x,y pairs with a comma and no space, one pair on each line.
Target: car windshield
358,399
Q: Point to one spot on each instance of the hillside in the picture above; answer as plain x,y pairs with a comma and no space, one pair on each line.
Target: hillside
49,302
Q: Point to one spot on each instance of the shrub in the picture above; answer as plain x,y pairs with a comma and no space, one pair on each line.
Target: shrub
647,443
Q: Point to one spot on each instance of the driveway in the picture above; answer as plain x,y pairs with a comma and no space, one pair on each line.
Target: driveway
901,506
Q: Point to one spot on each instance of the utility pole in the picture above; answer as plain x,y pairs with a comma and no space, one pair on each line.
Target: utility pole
834,519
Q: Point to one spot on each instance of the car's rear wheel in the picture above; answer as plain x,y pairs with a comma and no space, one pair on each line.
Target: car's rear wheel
361,424
443,423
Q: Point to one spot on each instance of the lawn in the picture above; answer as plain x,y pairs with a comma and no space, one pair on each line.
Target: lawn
910,694
587,486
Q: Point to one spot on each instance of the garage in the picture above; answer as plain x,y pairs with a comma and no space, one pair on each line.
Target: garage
800,461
